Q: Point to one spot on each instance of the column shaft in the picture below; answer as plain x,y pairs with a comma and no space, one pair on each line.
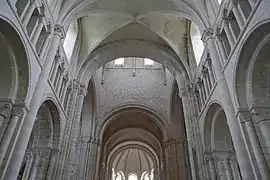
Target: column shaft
28,14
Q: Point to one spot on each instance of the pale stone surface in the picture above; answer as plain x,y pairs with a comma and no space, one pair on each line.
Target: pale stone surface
77,115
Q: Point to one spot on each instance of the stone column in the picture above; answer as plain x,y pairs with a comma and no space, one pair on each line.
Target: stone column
234,126
20,142
220,166
83,143
95,144
238,16
41,162
60,80
75,130
234,167
210,162
45,46
28,167
38,30
55,66
210,71
53,165
261,116
223,53
186,99
17,113
245,118
64,166
64,88
229,33
28,13
4,113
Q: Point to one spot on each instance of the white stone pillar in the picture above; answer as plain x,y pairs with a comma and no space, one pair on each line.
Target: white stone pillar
28,13
44,47
28,167
4,113
20,142
64,88
94,144
220,167
233,123
38,30
60,80
186,99
206,83
229,33
210,71
82,158
53,165
223,53
245,118
211,167
234,167
75,130
40,167
262,118
238,16
17,114
55,66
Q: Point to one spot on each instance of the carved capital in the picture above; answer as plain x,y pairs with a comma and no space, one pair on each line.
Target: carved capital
207,34
59,30
243,116
19,110
5,109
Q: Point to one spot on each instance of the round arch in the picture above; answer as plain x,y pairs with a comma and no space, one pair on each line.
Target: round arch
129,48
109,118
248,62
14,64
88,118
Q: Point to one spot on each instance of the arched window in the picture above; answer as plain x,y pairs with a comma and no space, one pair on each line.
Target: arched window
148,62
119,61
197,44
219,1
70,39
132,177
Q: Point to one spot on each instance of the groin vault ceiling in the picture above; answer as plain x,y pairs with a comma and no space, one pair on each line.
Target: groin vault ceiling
164,22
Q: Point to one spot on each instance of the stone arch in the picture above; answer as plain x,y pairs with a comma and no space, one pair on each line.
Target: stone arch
43,146
252,87
110,117
14,68
133,126
218,147
181,167
251,70
88,119
128,48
